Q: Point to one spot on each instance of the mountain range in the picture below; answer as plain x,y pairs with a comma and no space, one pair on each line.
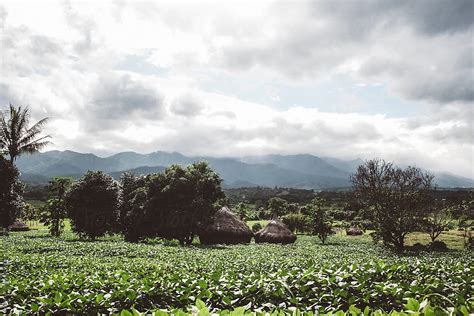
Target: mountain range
296,171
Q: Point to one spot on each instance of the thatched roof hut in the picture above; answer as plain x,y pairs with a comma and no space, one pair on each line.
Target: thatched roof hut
354,231
275,232
18,226
226,228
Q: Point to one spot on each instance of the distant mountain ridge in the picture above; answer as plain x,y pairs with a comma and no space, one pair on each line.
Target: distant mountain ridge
297,171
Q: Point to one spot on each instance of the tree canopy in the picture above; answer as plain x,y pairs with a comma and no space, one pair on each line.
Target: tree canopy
92,204
16,137
394,199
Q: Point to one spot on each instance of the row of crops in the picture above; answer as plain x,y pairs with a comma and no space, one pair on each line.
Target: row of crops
66,275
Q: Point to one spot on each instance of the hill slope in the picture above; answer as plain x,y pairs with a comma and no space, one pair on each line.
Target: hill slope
297,171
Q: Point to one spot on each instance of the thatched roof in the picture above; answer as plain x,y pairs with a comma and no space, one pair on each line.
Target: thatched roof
18,226
226,228
275,232
354,231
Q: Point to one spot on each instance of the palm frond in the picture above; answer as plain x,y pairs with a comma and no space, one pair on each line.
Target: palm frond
33,147
32,132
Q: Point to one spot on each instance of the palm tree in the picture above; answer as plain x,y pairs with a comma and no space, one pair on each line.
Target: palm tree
16,138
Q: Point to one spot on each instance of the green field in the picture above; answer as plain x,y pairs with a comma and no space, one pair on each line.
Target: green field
66,275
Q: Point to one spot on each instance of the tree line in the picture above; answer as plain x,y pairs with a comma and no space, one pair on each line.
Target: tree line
179,201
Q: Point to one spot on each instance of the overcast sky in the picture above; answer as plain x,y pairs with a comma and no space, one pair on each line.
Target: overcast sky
347,79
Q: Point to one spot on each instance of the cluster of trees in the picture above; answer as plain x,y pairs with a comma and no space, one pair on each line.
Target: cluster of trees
390,200
173,204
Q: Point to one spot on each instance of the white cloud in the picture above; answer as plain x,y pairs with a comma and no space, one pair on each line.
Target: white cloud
69,64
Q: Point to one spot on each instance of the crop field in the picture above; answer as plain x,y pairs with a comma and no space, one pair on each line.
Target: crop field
65,275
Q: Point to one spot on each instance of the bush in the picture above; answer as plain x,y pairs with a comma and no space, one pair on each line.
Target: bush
92,204
297,222
418,247
438,245
256,227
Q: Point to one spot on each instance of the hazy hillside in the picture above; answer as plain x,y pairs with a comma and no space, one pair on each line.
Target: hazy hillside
297,171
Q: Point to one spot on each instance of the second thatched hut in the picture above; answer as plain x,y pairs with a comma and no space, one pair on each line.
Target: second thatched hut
226,228
275,232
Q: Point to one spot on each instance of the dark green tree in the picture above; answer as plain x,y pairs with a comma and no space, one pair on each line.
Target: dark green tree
394,199
131,216
54,211
92,205
11,189
181,201
16,137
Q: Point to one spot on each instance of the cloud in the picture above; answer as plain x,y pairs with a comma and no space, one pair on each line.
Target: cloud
186,105
119,96
131,76
421,57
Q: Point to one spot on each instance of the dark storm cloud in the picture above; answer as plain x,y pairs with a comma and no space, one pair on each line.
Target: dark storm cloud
439,16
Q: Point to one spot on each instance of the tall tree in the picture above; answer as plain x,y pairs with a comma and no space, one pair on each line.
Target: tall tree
11,190
394,199
16,137
92,204
54,211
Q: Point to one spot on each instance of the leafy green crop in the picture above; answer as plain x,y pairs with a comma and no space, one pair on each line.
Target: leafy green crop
112,276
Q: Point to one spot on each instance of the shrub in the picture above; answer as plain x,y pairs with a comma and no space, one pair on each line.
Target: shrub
92,204
297,222
438,245
256,227
418,247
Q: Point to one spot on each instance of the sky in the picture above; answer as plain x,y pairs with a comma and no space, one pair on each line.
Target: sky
346,79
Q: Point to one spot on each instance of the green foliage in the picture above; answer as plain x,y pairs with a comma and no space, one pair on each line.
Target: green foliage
16,138
131,217
242,210
179,202
297,222
321,223
30,212
256,227
69,276
92,204
277,206
393,198
11,189
54,210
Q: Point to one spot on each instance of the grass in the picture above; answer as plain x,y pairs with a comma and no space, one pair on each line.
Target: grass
262,222
67,275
